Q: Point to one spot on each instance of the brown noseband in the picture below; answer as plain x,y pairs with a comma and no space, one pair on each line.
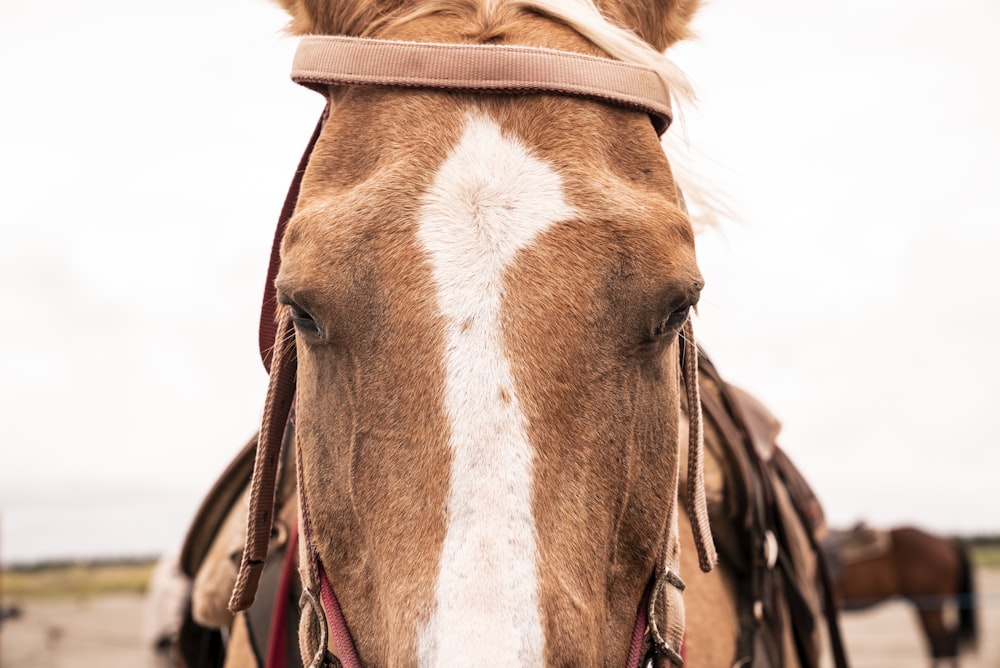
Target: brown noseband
324,61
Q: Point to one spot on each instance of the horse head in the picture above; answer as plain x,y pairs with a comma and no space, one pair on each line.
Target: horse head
485,296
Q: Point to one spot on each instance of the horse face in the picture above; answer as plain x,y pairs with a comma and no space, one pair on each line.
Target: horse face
487,294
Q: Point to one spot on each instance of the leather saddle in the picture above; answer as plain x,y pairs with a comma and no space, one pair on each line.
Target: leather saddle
768,526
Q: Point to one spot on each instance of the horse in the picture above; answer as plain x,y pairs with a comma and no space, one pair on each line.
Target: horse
483,375
927,570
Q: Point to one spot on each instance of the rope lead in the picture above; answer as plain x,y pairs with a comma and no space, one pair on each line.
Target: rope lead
695,504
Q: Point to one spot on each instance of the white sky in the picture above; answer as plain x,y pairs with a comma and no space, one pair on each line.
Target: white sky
145,150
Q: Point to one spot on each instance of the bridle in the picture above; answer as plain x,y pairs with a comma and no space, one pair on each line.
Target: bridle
323,61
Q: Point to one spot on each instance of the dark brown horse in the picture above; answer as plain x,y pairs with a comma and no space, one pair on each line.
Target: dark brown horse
932,572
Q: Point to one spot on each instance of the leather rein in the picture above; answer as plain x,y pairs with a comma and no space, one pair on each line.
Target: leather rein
323,61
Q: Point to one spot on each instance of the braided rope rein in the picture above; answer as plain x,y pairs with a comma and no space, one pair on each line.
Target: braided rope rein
668,559
695,503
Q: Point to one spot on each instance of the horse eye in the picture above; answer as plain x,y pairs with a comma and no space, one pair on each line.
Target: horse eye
298,314
303,321
671,323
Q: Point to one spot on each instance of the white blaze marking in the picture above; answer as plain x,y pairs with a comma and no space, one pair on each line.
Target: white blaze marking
489,199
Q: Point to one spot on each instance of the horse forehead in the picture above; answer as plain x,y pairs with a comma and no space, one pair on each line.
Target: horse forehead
505,183
489,198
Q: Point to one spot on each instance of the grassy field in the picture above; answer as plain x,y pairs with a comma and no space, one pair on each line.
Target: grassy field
986,556
76,580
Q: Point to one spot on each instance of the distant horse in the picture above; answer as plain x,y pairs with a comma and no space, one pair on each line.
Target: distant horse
479,306
932,572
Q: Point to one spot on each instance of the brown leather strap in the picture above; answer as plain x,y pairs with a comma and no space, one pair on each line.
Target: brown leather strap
808,518
268,326
831,611
323,60
263,486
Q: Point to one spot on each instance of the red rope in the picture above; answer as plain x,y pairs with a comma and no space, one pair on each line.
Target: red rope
335,619
277,642
638,631
268,327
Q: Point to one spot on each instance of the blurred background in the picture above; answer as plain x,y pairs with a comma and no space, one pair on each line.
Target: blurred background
145,150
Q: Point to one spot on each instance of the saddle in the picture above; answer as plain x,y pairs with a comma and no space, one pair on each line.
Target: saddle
851,546
210,558
768,526
766,521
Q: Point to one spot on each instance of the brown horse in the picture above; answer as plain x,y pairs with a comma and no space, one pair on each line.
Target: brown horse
481,312
932,572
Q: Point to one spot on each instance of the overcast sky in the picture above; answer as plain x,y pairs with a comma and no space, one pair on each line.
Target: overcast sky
145,150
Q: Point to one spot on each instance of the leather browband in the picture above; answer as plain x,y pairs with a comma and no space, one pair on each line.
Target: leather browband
338,60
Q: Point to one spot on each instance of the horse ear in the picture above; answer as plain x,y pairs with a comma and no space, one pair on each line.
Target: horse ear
660,22
347,17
